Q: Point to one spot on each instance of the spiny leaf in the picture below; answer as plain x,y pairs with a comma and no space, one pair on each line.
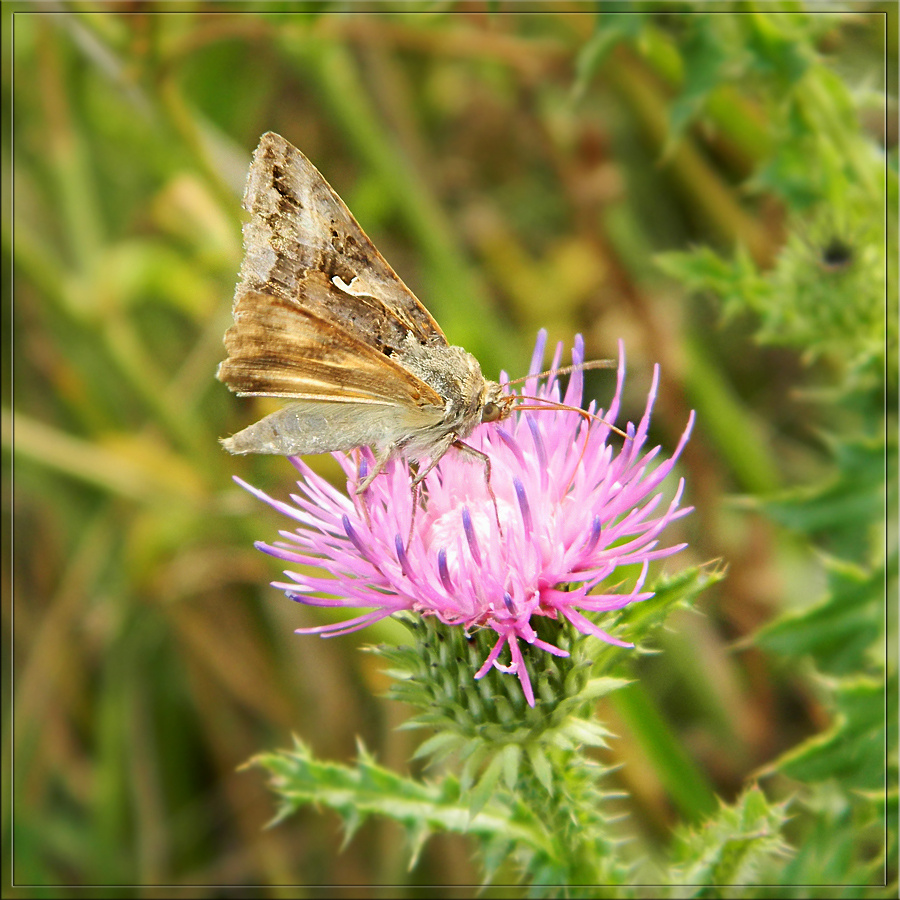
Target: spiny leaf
439,745
541,766
640,620
843,508
486,785
839,629
511,756
852,750
368,789
729,848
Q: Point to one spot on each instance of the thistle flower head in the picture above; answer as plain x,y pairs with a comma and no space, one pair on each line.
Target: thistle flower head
573,506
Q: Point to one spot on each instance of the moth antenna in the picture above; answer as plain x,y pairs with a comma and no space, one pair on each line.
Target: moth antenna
590,364
552,404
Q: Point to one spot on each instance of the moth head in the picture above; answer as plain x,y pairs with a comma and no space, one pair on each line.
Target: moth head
495,404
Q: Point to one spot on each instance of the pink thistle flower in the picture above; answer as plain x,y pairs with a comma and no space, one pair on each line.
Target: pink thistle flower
572,509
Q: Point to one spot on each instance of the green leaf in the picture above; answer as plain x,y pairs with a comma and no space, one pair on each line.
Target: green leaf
779,45
600,687
852,750
511,756
486,785
736,282
440,745
610,30
840,840
474,753
583,732
840,629
638,621
541,766
842,511
708,55
685,783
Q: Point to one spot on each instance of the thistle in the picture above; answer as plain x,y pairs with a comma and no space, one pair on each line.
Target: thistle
569,507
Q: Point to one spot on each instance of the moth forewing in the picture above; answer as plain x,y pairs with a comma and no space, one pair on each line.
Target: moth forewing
301,242
279,348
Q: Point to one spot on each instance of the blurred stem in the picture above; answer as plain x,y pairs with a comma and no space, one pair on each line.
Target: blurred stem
742,124
123,346
86,461
45,686
68,161
685,783
128,352
111,807
191,383
77,192
698,179
33,260
184,122
729,425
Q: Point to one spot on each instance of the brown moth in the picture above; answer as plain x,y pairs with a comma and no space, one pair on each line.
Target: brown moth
320,318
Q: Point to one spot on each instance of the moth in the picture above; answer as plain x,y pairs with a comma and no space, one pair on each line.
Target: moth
321,319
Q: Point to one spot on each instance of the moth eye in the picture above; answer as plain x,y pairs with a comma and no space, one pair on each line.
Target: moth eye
491,412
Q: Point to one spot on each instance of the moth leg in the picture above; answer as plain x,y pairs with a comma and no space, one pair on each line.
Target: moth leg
483,457
449,442
443,447
445,444
412,516
382,457
359,492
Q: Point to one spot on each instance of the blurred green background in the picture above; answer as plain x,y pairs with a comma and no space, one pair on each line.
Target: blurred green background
518,173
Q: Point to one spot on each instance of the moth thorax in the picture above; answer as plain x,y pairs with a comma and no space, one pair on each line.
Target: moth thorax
453,373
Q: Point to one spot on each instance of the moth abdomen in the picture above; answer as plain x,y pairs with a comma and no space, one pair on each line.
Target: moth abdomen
313,426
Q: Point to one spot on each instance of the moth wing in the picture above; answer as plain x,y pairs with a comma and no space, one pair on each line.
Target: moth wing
300,232
348,394
280,349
